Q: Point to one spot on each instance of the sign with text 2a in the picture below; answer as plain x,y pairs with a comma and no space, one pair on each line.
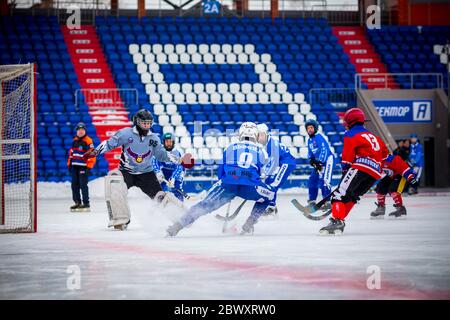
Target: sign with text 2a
211,7
405,111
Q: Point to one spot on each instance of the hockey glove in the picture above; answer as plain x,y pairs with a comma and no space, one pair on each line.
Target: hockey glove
171,183
412,179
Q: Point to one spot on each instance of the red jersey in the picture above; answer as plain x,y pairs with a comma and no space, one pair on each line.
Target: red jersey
363,151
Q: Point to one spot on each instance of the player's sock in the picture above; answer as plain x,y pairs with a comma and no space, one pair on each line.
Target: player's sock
339,210
349,206
397,198
381,199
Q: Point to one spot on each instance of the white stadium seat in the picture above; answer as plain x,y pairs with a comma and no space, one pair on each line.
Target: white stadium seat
138,57
203,98
259,68
158,109
264,77
227,98
249,48
203,48
282,88
191,98
231,58
215,49
145,49
142,67
176,120
235,88
162,88
146,78
265,58
153,67
186,87
180,48
226,49
149,58
275,97
208,58
174,58
222,87
191,48
299,97
171,109
311,116
299,119
243,58
210,88
161,58
158,77
181,131
239,98
293,108
169,48
168,129
298,141
275,77
271,68
263,98
293,151
166,98
185,142
196,58
198,142
246,87
174,87
269,88
219,58
150,88
251,98
157,49
303,153
303,131
185,58
254,58
163,120
216,153
215,98
133,48
286,140
286,97
258,88
223,141
305,108
179,98
238,48
211,141
199,88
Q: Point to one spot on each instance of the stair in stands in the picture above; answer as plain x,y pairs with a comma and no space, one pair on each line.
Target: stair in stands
98,87
364,57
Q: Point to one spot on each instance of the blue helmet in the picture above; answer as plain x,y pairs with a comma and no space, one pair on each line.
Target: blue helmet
314,123
414,135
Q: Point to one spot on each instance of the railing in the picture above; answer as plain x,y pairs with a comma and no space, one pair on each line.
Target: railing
404,78
107,97
339,97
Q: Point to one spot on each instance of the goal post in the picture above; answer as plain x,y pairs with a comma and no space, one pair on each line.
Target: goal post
18,148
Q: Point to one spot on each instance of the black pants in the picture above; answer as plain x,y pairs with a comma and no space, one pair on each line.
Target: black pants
390,184
147,182
353,185
80,176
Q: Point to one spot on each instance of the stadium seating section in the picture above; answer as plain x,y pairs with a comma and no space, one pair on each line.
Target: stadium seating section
216,72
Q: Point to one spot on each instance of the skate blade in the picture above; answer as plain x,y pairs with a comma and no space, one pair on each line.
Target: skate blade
377,217
327,233
120,227
81,210
402,217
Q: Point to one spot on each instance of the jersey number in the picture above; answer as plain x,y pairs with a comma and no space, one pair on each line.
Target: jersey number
245,160
373,141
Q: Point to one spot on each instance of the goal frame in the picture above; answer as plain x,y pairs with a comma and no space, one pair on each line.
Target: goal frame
33,156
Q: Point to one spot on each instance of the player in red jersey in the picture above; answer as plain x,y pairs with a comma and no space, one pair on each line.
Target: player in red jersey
361,167
397,174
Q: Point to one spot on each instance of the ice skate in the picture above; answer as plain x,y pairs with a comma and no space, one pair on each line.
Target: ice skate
326,206
335,227
271,211
379,212
248,227
123,226
173,230
399,213
83,208
75,207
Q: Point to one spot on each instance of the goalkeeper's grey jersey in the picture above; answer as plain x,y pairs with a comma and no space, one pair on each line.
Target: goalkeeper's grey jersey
137,151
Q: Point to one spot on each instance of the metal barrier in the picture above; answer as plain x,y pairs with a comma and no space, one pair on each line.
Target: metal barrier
339,97
127,97
410,78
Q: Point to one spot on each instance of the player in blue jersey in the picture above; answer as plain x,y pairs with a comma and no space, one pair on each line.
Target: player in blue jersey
415,160
239,175
280,165
321,159
170,175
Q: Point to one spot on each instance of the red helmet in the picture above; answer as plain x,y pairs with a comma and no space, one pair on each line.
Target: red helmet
354,115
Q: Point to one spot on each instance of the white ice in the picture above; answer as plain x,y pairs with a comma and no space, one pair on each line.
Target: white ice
284,259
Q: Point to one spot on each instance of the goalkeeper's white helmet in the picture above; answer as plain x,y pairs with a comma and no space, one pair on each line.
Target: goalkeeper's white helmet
248,131
263,133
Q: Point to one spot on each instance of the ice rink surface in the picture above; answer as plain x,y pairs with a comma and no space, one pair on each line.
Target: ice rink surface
286,258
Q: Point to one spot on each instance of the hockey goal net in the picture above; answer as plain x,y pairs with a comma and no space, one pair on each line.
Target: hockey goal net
17,148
